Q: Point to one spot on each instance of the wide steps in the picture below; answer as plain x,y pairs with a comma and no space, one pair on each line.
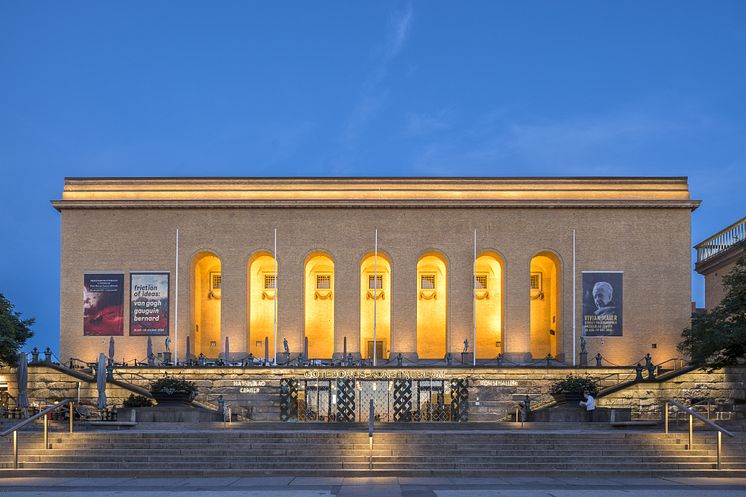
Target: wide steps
226,452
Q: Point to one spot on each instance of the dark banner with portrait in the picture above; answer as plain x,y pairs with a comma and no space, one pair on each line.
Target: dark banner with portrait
149,304
103,304
602,303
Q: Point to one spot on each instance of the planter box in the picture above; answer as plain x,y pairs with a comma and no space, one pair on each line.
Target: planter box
174,398
565,397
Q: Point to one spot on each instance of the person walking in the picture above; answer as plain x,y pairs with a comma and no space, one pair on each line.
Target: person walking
590,405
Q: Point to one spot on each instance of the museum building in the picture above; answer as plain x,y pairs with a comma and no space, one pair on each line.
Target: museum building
396,269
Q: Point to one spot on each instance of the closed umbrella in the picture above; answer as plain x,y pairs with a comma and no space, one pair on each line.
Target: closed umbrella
227,349
101,382
149,357
111,350
23,383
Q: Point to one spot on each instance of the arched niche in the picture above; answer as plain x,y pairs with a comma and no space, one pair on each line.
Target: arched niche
375,300
488,305
319,306
206,298
261,304
432,304
545,331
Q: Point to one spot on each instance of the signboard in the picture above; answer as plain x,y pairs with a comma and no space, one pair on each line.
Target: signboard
149,304
103,304
603,299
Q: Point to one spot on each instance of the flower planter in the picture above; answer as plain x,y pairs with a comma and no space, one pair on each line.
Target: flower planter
567,397
173,398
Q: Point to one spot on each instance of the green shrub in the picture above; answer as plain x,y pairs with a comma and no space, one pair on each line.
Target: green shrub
575,384
170,386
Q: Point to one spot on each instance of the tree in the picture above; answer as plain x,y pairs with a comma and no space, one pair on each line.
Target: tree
14,332
717,337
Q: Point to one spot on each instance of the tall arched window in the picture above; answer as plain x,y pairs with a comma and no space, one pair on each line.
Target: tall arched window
375,292
489,305
319,306
545,304
206,295
432,300
261,304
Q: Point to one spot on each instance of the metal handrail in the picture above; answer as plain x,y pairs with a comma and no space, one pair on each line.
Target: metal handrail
14,429
674,359
694,414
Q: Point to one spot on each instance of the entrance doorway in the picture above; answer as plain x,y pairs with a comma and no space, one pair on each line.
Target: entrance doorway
379,349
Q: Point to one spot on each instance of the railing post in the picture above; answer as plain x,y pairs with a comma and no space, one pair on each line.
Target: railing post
516,414
371,418
720,444
71,416
691,430
15,450
46,431
665,417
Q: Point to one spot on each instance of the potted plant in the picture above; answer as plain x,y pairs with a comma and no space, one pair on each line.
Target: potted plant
173,390
571,389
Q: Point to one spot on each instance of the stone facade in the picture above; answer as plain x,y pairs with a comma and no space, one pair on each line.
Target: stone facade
638,226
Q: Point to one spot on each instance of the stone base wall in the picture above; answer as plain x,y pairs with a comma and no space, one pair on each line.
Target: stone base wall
493,392
722,387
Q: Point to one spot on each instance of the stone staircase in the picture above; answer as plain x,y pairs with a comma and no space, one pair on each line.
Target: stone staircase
239,451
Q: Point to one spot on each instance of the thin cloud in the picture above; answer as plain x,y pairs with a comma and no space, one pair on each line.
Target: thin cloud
374,94
424,123
583,145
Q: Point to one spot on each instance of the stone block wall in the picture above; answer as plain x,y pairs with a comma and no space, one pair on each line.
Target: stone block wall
493,392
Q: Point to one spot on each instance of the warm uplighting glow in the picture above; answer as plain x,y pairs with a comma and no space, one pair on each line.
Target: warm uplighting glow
566,191
489,305
206,305
544,291
319,306
432,300
382,294
261,306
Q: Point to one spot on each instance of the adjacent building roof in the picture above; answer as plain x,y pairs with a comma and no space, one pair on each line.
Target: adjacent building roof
412,192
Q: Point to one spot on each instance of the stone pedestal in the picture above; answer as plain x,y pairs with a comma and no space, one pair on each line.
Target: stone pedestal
467,358
584,358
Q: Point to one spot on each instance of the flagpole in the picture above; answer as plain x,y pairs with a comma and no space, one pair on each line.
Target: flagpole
474,297
375,298
274,314
176,303
573,298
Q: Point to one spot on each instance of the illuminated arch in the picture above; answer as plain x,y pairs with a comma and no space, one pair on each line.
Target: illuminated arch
432,305
545,304
370,272
319,305
261,303
205,309
489,304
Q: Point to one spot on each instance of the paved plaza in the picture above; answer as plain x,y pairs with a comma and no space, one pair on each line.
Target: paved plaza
372,487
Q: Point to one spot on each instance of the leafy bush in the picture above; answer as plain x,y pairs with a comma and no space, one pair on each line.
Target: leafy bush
575,384
137,401
171,386
717,338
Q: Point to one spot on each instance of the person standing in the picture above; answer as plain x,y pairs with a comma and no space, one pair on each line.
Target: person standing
590,405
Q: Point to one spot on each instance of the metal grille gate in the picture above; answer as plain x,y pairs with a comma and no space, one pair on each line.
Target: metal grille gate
399,400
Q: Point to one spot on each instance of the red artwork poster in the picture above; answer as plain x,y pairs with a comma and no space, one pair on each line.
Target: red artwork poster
103,304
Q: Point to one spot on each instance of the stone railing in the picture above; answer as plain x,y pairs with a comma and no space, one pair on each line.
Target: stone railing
722,241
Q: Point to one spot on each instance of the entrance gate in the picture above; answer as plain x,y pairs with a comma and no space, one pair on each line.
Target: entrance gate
399,400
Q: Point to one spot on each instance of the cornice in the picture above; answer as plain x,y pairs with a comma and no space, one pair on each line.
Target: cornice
587,192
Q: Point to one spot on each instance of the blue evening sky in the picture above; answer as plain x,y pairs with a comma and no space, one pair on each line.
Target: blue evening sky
240,88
